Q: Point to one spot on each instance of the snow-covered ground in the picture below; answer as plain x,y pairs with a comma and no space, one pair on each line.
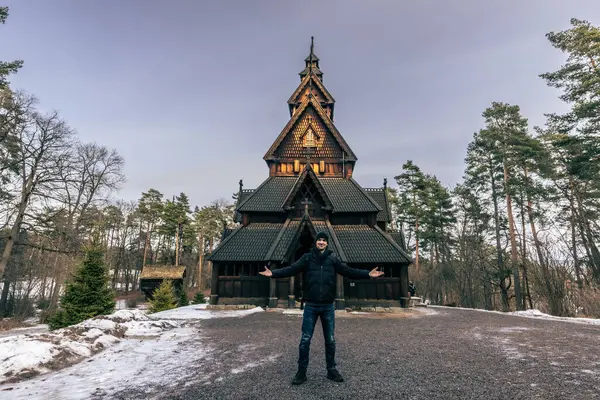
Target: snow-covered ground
124,349
532,314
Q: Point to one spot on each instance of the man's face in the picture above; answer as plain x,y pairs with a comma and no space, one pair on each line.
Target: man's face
321,244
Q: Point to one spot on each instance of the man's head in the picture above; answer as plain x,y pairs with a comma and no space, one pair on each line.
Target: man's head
322,240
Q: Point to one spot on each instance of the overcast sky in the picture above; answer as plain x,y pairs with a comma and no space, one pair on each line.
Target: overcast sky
193,93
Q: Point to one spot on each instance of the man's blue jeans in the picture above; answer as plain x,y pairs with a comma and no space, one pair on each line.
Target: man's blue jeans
311,313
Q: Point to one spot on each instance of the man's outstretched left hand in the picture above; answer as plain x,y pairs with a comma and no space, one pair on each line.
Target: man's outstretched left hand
375,273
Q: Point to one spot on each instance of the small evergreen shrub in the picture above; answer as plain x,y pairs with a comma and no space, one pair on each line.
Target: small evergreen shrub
199,298
182,298
88,294
164,298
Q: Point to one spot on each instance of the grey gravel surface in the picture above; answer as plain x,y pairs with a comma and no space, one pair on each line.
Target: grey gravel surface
453,354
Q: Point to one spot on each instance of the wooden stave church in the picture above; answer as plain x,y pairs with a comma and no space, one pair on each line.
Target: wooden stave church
310,188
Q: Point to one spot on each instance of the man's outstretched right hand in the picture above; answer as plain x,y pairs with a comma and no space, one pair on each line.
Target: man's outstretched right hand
266,272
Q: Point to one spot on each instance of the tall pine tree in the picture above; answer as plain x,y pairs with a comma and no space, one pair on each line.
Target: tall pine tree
576,134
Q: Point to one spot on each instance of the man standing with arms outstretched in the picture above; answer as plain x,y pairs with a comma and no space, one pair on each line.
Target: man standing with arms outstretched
320,266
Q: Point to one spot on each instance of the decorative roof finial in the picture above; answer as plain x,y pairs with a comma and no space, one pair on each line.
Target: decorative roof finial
312,54
312,62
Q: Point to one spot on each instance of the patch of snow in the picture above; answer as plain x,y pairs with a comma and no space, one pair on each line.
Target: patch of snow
131,364
20,353
104,341
244,367
293,311
198,312
587,371
531,314
148,328
538,314
247,366
23,355
93,333
98,323
511,329
127,315
39,328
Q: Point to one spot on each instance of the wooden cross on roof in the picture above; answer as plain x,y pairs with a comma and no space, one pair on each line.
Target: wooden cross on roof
306,202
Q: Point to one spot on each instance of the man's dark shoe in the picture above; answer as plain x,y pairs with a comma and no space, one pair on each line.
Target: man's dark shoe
334,375
300,377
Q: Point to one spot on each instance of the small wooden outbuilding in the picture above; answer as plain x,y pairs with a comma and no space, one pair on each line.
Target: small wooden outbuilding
153,275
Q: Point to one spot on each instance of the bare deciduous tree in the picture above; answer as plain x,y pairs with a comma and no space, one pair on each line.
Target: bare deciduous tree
44,146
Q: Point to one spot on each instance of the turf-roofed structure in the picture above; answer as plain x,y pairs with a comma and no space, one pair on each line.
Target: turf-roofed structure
309,189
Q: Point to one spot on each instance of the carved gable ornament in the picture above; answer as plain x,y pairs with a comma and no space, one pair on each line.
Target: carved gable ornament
309,137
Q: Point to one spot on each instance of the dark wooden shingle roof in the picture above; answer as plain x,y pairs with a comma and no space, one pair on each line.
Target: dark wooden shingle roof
363,244
272,242
398,238
379,196
304,83
247,243
347,196
284,241
269,196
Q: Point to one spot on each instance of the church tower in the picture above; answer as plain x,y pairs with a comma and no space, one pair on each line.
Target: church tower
310,136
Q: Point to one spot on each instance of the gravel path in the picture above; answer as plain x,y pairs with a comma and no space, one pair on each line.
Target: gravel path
452,354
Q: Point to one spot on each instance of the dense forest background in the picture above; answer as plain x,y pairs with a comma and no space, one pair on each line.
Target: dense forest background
520,231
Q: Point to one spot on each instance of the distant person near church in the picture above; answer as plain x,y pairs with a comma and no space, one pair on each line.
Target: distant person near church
412,289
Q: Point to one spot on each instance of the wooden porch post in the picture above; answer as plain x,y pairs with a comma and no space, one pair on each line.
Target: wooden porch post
404,286
272,293
340,301
291,296
214,284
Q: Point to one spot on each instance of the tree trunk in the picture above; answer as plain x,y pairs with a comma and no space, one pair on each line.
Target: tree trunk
578,271
59,278
513,244
524,258
146,245
417,266
4,298
504,296
499,260
14,232
199,278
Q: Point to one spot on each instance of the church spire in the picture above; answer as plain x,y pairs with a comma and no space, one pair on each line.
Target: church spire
312,62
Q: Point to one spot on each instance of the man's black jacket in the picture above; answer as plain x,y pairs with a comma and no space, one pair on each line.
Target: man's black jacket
320,274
